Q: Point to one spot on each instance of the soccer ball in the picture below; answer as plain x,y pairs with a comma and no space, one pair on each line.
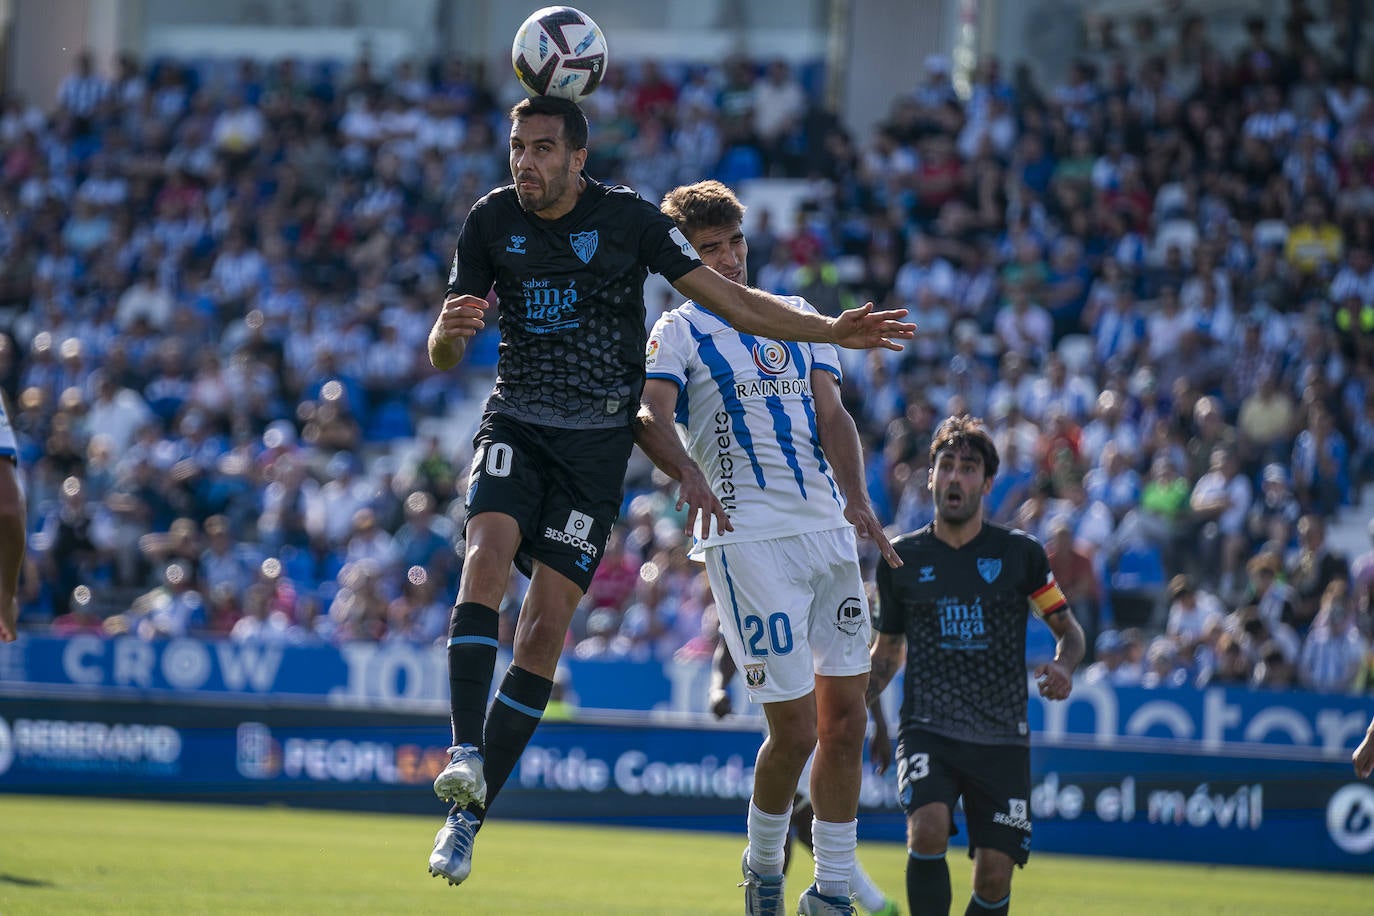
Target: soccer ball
559,51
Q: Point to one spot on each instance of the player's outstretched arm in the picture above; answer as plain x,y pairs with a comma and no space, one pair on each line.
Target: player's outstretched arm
12,544
657,438
840,442
460,318
1363,758
755,312
1056,678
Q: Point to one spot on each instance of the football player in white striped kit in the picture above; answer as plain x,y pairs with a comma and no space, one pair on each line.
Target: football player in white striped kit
763,420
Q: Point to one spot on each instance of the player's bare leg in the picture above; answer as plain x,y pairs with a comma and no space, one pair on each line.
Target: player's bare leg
992,871
836,775
781,759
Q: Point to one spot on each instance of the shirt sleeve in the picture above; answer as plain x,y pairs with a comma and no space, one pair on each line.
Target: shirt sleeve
823,355
472,272
889,616
1040,585
662,246
669,349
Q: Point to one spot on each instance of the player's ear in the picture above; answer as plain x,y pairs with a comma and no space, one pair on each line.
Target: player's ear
578,160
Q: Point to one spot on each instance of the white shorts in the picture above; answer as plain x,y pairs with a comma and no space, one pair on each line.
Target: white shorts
791,608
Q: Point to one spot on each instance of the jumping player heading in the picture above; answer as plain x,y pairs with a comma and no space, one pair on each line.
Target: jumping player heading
568,257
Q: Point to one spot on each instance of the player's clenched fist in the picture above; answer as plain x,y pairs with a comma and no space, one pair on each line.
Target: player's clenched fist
461,316
459,319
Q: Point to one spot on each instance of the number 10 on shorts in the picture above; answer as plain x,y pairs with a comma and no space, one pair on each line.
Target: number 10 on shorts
761,638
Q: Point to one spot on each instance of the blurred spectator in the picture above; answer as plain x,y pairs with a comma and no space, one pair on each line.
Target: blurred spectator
1111,665
1163,665
1333,653
1232,668
1219,504
81,616
1362,580
1312,568
1191,610
1073,570
1274,670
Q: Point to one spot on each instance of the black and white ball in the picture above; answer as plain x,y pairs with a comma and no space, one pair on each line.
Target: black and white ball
559,51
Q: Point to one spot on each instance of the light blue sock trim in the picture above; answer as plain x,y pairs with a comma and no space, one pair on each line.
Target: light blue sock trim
520,707
991,906
472,641
916,855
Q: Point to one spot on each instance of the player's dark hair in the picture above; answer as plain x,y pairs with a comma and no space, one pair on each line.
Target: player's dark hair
965,432
704,205
574,121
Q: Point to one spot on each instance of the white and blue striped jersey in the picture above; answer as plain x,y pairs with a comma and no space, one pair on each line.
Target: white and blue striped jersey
746,414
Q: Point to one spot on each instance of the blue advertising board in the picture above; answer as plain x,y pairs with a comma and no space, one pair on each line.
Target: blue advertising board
401,677
1281,810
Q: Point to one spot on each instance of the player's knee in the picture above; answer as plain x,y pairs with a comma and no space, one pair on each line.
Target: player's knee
541,640
992,874
486,569
992,887
843,727
795,742
927,830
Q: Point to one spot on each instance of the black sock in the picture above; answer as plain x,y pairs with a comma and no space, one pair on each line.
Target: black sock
977,906
471,663
516,711
927,885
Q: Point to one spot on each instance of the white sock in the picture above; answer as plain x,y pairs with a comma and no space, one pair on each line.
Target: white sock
864,890
835,845
767,837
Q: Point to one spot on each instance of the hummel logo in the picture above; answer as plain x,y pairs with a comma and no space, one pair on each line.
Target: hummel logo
927,574
517,244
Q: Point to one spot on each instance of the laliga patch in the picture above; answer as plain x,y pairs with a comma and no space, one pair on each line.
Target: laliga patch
755,675
681,242
579,524
651,352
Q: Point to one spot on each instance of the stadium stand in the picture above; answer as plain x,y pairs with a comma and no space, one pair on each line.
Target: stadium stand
218,278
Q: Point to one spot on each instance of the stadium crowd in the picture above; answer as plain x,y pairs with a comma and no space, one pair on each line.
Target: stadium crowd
1155,281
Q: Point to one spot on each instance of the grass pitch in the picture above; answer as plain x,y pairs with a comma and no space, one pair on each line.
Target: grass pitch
67,855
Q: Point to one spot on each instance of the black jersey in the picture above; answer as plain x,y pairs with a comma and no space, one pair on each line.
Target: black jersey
964,614
571,300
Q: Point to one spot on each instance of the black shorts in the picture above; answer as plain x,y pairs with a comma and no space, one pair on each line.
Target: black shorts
563,486
993,780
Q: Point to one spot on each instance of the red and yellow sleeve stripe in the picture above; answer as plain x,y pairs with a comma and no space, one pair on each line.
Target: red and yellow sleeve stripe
1048,599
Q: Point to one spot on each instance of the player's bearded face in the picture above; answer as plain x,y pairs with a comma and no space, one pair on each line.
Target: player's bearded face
543,166
541,191
958,485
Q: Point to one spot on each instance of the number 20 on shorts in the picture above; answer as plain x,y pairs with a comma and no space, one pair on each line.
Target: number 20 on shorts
775,636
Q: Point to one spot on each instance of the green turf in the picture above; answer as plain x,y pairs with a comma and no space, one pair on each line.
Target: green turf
64,855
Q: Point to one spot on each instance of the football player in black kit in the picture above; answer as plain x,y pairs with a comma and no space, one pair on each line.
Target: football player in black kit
568,257
957,608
